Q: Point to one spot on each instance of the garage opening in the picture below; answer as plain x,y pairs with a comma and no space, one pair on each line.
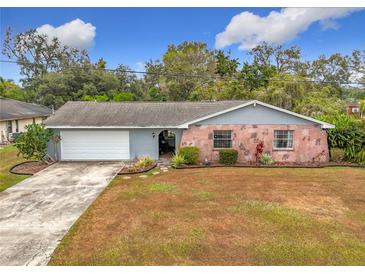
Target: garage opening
166,144
91,145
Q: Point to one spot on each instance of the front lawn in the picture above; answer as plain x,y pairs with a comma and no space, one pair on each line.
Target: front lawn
8,158
224,216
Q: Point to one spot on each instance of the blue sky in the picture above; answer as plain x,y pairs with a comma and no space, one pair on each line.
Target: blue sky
134,35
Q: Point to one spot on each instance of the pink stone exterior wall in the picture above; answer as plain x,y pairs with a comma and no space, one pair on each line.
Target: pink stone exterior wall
310,142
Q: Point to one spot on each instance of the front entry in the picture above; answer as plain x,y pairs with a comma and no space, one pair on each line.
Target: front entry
166,144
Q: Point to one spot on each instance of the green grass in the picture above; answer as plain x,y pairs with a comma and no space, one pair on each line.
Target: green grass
139,249
140,190
8,158
272,213
162,187
294,238
203,195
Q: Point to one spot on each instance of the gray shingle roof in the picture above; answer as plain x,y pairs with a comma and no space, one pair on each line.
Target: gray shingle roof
12,109
134,114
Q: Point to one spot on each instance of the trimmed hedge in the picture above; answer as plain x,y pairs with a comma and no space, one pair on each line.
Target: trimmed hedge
190,154
228,156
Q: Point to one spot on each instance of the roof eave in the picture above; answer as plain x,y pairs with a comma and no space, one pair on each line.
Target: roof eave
24,117
112,127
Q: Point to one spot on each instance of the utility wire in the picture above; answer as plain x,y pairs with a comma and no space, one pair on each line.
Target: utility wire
177,75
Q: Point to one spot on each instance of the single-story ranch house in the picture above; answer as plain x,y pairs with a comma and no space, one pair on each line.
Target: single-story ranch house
127,130
15,115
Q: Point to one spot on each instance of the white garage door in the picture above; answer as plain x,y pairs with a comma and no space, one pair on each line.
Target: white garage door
94,144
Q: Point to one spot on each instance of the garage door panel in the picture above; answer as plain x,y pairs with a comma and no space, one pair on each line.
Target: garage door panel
94,145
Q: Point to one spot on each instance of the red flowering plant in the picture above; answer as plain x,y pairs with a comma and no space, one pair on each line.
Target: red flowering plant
259,151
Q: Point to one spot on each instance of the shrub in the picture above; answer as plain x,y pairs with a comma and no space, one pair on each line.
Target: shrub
177,160
348,134
337,154
32,143
266,159
259,150
190,154
228,156
144,162
123,96
360,157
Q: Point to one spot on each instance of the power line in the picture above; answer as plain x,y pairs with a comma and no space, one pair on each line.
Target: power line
276,79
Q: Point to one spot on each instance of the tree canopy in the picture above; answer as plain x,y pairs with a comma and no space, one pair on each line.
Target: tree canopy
53,74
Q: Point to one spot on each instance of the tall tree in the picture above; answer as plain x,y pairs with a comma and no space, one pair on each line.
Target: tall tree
187,65
125,77
335,69
38,54
283,59
9,89
226,66
82,82
358,61
255,76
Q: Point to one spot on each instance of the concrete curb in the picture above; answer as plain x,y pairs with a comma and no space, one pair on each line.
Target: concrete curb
272,166
11,170
138,172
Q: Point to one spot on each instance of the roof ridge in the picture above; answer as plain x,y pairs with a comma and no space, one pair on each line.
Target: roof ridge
158,102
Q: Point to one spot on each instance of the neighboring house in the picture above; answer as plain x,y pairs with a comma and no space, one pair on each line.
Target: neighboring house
15,115
353,108
118,131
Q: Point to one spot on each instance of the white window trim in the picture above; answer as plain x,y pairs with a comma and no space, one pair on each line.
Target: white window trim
217,148
283,148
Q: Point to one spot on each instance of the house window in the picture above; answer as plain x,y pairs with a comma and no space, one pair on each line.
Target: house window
355,110
283,139
222,138
16,126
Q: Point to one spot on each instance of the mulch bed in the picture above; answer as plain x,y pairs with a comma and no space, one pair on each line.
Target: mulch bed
277,165
125,170
28,168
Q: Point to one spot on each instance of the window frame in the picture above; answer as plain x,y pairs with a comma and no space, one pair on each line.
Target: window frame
222,139
288,140
355,109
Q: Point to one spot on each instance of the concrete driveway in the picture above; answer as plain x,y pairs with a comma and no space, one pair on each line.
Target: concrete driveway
36,213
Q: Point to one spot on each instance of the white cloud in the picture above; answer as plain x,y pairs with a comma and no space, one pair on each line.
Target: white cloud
248,29
329,24
76,33
140,66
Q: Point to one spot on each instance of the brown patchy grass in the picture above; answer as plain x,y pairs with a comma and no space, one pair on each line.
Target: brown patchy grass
224,216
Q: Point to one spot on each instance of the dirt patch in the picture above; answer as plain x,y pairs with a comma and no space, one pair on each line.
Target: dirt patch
28,168
325,207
